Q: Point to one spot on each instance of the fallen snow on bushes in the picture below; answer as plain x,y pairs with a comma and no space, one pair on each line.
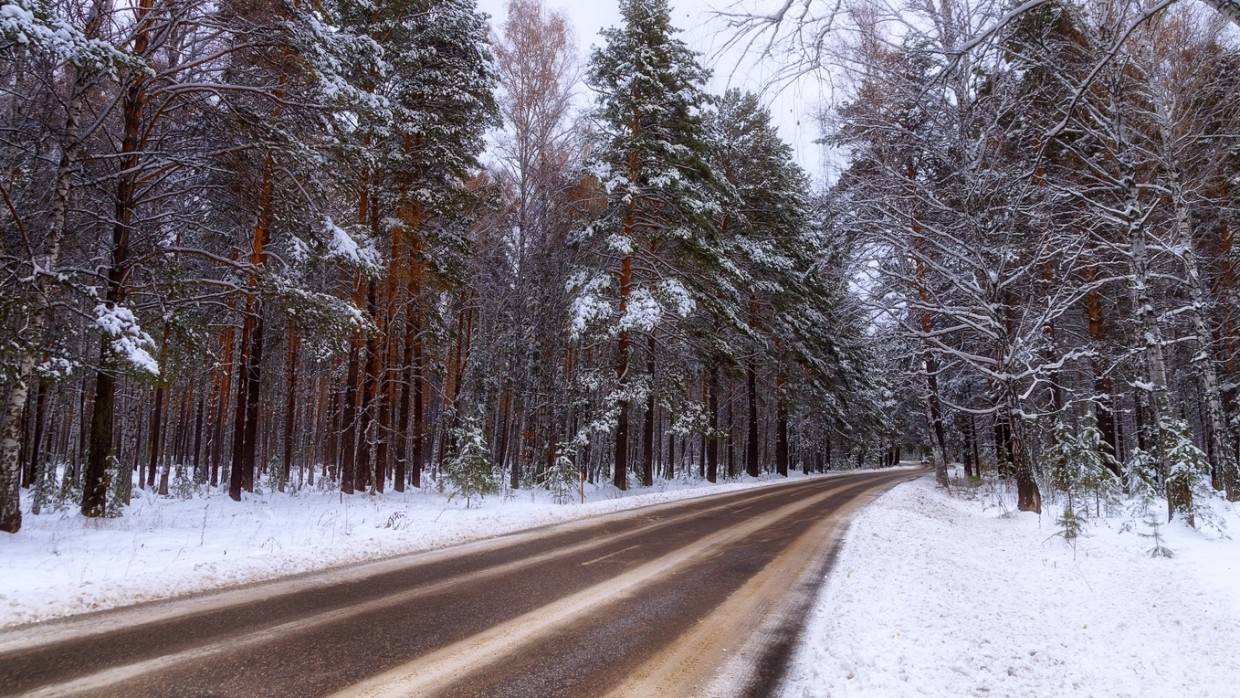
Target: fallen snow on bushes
62,563
938,595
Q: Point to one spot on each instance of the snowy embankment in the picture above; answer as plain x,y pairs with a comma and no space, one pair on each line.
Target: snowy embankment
62,563
938,595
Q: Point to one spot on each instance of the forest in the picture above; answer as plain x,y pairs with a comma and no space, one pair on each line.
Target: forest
368,244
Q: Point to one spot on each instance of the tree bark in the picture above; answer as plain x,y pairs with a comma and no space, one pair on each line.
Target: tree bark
157,414
249,370
133,104
621,454
751,445
781,424
36,439
712,439
195,456
1220,450
648,441
1104,388
223,395
348,444
364,474
290,403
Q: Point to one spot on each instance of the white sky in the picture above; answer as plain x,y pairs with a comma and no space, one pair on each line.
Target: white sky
792,108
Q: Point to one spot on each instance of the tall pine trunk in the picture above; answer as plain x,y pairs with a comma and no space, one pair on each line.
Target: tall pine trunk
249,363
1104,387
781,424
1219,448
290,399
94,493
751,445
157,415
648,441
712,438
621,454
363,473
223,393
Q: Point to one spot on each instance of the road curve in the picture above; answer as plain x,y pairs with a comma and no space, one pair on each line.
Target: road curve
698,597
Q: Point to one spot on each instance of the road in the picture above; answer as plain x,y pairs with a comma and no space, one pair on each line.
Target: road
697,597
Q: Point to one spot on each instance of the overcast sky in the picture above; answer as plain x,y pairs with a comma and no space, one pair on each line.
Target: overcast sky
792,108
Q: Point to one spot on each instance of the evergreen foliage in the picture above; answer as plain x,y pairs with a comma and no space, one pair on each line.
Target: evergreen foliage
469,470
1083,469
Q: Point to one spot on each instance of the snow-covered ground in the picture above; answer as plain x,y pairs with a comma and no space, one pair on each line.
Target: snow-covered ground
62,563
938,595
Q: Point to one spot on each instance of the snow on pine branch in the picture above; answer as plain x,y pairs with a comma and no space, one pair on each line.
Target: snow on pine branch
32,24
127,338
341,245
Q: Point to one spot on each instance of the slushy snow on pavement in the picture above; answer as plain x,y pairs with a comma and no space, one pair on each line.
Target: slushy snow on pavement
162,547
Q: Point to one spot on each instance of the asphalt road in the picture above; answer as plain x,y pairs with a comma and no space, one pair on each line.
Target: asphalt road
692,598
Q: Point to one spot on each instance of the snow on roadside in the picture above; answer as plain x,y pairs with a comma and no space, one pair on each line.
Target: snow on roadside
62,563
935,595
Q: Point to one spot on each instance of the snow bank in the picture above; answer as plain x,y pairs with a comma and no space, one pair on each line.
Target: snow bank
62,563
943,596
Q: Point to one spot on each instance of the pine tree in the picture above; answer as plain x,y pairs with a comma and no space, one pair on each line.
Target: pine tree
793,305
469,470
1188,475
429,103
1081,467
563,477
655,245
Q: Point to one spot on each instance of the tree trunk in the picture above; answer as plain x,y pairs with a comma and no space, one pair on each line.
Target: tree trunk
781,425
348,445
1028,496
157,415
1222,463
387,373
648,440
712,442
621,455
195,457
419,425
290,404
1104,388
1151,333
406,392
36,439
364,474
968,449
934,410
751,445
94,490
253,379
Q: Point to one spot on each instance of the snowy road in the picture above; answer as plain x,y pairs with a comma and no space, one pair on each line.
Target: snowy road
690,598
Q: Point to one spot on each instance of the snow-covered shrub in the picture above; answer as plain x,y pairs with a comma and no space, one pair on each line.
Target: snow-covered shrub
1188,476
45,494
183,487
1081,467
1140,476
1154,533
70,488
469,470
1141,483
397,521
563,477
